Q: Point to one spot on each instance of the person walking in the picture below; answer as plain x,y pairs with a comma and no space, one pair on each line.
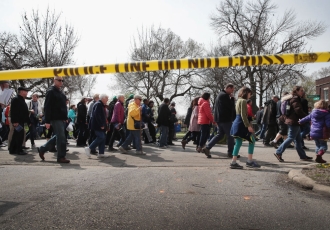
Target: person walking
320,118
117,122
134,114
194,127
82,123
35,112
242,130
292,120
19,116
98,123
205,118
56,116
163,121
224,114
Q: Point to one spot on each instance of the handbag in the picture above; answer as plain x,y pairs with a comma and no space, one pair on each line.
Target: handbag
138,124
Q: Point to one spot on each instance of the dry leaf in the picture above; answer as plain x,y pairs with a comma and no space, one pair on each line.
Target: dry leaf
161,191
219,181
247,197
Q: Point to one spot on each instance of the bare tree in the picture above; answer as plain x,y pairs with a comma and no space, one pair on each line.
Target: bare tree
160,44
251,28
43,42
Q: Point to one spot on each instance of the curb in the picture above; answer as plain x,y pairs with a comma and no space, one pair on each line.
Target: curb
297,176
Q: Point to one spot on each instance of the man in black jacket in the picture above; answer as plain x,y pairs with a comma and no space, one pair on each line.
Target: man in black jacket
163,121
56,115
19,115
224,114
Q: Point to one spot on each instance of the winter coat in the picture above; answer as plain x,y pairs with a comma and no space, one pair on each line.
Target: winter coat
72,115
188,116
164,115
19,111
55,105
82,113
118,115
296,111
224,108
270,111
205,116
194,126
319,118
133,113
98,118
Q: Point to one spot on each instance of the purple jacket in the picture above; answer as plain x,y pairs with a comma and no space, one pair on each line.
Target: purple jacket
118,115
319,118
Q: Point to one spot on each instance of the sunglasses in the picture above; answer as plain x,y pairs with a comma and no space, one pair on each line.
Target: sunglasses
59,80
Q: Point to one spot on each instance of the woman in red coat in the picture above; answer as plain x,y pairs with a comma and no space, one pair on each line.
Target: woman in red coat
205,118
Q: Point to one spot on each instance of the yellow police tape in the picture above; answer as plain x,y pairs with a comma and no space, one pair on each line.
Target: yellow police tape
210,62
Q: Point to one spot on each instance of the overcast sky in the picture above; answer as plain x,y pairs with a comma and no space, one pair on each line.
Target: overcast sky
106,27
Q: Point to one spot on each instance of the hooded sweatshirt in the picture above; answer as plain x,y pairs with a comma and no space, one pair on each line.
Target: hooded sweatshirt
319,119
205,116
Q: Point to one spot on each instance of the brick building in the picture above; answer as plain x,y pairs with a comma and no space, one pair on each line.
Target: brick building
323,87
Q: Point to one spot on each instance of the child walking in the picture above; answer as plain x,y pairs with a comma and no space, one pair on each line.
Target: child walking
242,130
320,118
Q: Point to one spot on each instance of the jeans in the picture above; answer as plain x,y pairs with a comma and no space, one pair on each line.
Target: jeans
263,131
59,136
99,141
320,144
259,129
223,128
134,135
293,135
187,135
305,129
205,133
31,134
163,135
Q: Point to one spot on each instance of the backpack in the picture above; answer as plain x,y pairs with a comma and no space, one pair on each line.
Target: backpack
285,108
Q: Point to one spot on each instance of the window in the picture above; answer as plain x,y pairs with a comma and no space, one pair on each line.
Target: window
326,94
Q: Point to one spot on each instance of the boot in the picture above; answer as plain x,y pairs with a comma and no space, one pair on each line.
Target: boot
319,159
183,143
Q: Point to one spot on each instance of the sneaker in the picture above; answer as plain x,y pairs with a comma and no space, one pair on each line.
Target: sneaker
278,157
3,145
122,150
140,153
88,151
252,164
235,166
33,146
101,156
274,144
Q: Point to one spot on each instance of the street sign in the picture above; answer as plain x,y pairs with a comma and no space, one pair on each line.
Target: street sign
314,97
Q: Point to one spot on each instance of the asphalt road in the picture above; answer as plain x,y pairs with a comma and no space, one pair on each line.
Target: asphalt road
155,192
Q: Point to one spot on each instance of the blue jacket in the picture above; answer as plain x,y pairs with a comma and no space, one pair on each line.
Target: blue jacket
98,118
319,119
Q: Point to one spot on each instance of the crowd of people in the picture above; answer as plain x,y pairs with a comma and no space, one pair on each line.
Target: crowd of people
95,124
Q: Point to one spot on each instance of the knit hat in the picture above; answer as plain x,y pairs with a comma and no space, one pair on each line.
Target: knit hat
114,98
131,96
